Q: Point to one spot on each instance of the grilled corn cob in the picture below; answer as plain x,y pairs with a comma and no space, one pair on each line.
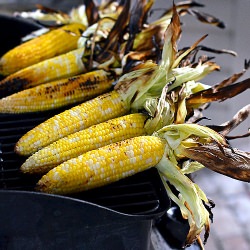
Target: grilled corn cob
96,136
130,95
97,110
161,112
58,93
104,165
118,160
65,65
53,43
102,108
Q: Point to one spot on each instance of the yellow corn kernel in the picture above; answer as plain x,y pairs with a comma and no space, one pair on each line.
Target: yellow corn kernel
62,66
103,166
94,137
102,108
58,93
53,43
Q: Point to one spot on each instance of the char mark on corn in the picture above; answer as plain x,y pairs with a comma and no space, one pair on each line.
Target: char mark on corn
62,66
58,93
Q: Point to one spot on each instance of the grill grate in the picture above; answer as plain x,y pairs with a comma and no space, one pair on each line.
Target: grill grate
140,194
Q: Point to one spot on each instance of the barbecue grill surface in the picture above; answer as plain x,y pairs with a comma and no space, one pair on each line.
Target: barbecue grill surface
139,194
125,209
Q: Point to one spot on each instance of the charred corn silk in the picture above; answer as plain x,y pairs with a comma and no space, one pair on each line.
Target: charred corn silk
53,43
104,165
96,136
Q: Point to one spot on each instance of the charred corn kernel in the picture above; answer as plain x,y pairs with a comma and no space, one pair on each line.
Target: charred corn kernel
53,43
96,136
102,108
58,93
103,166
62,66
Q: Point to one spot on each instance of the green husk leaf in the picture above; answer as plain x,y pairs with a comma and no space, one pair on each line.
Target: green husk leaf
137,87
191,199
175,134
170,107
189,167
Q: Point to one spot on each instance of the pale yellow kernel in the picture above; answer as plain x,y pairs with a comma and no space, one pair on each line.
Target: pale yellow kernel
74,161
65,167
149,160
56,126
123,123
132,160
56,176
95,171
37,143
129,147
100,158
54,151
108,110
87,175
133,125
89,162
85,115
81,122
73,139
130,153
128,173
96,165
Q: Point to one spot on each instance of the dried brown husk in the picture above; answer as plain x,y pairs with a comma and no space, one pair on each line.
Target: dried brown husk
218,94
238,118
206,18
230,162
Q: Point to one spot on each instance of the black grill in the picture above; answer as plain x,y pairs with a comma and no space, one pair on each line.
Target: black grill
123,211
139,194
117,216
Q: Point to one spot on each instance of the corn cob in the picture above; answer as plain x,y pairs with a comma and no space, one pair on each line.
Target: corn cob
58,93
97,110
130,95
96,136
65,65
104,165
102,108
53,43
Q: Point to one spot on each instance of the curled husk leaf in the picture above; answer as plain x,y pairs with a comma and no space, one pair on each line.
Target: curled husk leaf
191,199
